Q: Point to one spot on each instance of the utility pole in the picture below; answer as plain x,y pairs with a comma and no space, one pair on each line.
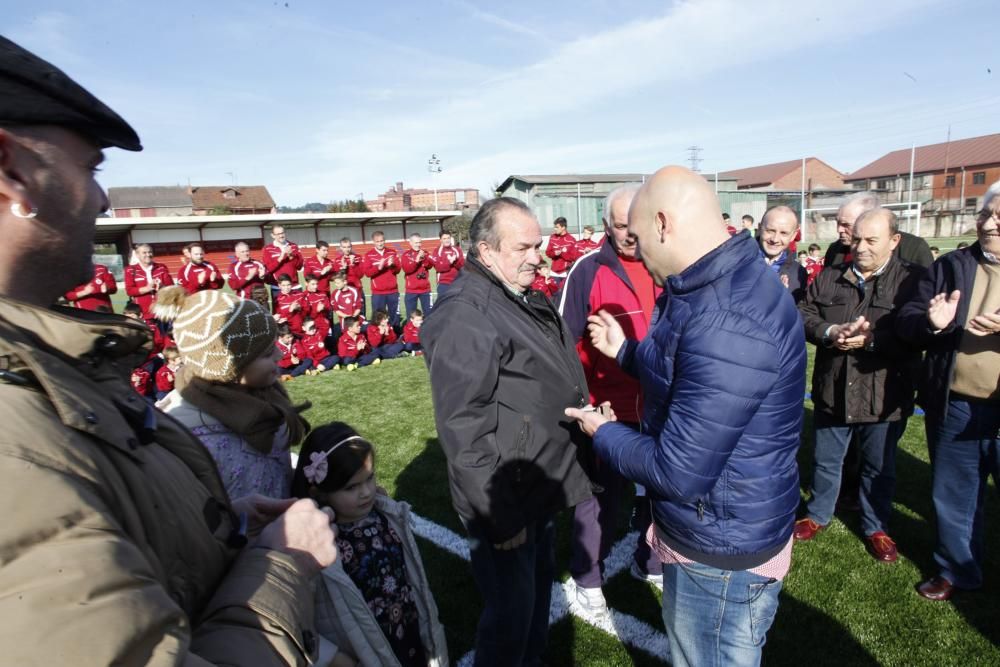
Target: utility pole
693,158
434,166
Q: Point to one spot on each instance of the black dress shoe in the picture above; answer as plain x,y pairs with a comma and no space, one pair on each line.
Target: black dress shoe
938,589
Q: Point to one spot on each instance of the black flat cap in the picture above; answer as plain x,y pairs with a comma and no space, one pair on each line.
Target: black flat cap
34,92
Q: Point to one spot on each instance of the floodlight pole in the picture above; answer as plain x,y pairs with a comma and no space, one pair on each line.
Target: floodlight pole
434,166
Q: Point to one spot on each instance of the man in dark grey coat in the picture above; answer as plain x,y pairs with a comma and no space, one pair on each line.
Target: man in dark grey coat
503,368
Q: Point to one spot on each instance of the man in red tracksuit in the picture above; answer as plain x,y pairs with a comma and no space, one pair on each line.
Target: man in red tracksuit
381,264
321,266
289,306
349,263
199,274
417,264
561,250
144,280
353,347
448,261
586,244
245,273
95,295
615,280
281,258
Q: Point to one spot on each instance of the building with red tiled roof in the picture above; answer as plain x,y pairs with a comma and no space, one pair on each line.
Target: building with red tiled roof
787,176
949,177
235,199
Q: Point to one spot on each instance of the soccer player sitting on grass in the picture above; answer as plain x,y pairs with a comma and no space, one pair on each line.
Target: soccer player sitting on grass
168,372
294,360
382,337
353,347
289,307
411,333
313,340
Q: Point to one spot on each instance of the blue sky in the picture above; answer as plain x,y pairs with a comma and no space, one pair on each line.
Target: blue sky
325,100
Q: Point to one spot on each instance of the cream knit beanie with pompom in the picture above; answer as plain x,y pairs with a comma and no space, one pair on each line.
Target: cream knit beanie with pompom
217,334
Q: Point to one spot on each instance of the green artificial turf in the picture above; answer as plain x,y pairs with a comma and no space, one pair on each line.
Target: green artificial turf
838,607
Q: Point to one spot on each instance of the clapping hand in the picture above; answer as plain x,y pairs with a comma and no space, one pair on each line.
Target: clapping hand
852,335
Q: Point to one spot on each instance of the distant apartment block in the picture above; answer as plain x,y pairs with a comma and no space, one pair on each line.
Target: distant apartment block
398,198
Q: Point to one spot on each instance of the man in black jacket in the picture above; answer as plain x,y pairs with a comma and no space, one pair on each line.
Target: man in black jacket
503,368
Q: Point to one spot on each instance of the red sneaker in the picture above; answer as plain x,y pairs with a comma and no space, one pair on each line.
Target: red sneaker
806,529
882,547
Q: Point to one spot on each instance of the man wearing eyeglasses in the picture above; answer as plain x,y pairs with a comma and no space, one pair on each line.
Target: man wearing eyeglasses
954,315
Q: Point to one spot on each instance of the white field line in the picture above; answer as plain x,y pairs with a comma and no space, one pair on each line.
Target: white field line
625,627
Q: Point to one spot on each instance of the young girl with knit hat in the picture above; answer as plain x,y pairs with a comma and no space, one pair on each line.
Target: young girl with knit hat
228,391
374,607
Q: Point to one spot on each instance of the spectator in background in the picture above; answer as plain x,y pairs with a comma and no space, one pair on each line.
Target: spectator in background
543,281
729,224
962,245
587,243
199,273
612,279
560,249
246,273
748,223
144,280
417,264
778,228
321,267
448,261
381,264
281,258
935,252
814,263
863,377
912,249
954,316
96,294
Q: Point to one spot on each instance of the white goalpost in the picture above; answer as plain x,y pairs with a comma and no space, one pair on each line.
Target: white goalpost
823,227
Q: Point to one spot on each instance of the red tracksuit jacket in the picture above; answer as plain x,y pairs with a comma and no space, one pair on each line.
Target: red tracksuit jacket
283,309
377,339
288,266
315,347
141,381
383,277
411,334
192,275
165,379
288,351
314,267
352,266
417,277
546,286
583,246
317,305
136,279
566,243
348,346
346,301
239,280
447,262
103,284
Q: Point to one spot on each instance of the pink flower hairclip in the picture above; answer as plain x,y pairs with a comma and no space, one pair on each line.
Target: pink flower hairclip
318,467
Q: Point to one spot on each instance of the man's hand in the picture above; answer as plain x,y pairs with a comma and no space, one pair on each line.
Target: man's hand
591,419
252,273
261,510
513,542
201,278
851,335
326,269
605,333
984,325
784,281
303,532
942,308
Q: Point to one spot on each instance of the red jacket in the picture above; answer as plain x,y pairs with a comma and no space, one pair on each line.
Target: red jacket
101,285
417,277
352,266
239,280
382,268
288,266
583,246
348,346
314,346
313,267
346,302
813,268
447,262
377,339
141,381
165,379
546,286
561,261
136,279
411,334
288,351
599,281
317,305
198,277
283,309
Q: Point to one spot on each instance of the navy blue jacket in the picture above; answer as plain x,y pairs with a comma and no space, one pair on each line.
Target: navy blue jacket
953,271
723,374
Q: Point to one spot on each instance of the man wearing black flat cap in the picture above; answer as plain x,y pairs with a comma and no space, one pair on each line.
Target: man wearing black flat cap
119,544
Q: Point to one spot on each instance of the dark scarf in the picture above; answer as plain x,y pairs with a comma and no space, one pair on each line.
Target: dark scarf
253,414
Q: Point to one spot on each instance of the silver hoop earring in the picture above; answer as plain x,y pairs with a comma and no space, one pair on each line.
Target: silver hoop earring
18,212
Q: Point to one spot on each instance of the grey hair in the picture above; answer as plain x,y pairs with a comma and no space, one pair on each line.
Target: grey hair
243,244
485,226
415,236
782,208
992,192
878,210
865,200
628,189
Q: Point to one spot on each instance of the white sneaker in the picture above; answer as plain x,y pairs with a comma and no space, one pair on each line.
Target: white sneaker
655,579
591,601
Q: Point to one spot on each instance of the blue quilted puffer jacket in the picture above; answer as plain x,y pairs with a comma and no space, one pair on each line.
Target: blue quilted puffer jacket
723,377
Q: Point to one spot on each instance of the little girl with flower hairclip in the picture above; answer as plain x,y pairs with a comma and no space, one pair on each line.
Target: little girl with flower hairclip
374,606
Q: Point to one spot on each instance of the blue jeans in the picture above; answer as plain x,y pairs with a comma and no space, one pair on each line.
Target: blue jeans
877,447
390,304
410,300
516,586
964,453
717,617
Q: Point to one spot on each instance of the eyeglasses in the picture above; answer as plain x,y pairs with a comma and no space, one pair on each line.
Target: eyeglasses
986,215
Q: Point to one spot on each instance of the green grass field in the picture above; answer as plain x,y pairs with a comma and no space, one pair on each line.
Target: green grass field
838,607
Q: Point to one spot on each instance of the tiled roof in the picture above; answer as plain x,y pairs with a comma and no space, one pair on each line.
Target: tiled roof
765,174
934,157
247,196
156,196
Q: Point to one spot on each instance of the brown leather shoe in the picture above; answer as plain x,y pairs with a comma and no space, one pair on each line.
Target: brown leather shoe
938,589
806,529
882,547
